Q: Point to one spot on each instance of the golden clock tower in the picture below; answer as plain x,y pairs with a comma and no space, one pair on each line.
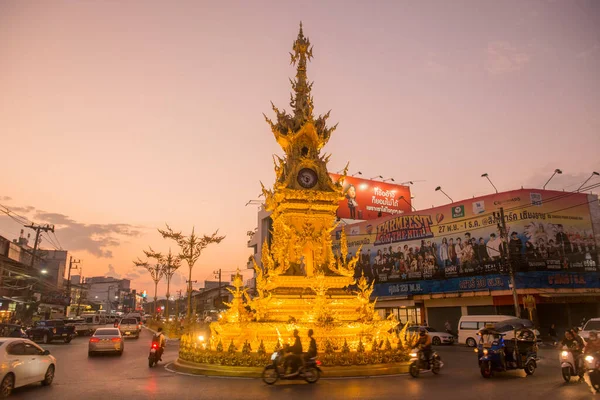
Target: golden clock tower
301,283
304,199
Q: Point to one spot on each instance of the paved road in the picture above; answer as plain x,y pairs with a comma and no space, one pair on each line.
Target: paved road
128,377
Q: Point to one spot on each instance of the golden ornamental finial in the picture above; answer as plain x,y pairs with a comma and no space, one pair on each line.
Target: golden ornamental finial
287,125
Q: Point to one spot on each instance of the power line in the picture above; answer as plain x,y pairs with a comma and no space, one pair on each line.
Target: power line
57,241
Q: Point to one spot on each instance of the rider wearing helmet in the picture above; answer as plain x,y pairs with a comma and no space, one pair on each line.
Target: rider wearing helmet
160,339
424,343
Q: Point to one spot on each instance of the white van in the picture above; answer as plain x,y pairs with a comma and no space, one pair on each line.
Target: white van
469,325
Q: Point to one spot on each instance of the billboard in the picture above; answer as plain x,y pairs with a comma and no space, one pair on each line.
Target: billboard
366,199
547,231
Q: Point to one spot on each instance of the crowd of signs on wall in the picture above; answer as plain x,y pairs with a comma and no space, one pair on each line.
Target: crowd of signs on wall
548,231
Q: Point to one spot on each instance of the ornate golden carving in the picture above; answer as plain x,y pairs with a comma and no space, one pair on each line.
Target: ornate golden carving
302,284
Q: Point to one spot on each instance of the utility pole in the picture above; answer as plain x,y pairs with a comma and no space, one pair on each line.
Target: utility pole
177,304
218,274
38,229
189,310
511,270
71,262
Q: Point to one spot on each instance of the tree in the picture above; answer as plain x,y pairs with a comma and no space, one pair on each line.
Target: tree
191,248
170,264
156,272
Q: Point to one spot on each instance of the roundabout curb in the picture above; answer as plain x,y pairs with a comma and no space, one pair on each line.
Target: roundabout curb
337,372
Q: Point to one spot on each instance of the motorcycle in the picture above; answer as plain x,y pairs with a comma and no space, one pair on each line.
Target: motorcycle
592,366
568,365
153,357
310,371
418,363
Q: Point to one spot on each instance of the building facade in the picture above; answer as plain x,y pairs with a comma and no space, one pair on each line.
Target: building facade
108,292
439,264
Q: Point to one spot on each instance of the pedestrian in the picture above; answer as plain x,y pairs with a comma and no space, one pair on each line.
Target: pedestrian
552,334
448,327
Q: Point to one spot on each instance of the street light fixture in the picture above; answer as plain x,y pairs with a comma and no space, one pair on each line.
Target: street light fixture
488,178
389,179
356,173
410,204
586,181
556,171
375,177
439,188
407,183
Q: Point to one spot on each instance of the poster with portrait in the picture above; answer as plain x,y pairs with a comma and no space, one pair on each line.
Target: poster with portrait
366,199
546,231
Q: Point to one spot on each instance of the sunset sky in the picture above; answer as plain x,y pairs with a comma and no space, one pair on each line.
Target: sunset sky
118,116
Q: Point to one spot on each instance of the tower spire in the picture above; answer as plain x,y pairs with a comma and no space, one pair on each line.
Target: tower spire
288,126
302,101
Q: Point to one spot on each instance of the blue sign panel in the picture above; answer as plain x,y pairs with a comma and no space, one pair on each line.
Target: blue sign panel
528,280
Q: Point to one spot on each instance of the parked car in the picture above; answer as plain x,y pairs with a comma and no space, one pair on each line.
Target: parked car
130,327
12,330
106,340
592,325
40,365
437,337
50,330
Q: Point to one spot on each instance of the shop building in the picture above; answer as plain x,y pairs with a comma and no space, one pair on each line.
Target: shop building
436,265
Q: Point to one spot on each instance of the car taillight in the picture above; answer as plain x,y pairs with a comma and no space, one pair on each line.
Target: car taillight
115,339
318,363
94,340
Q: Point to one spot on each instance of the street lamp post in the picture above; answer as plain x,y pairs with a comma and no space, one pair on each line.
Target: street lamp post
439,189
586,181
488,178
556,171
410,204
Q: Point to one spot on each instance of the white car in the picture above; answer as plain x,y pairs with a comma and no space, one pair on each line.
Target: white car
23,362
436,336
592,325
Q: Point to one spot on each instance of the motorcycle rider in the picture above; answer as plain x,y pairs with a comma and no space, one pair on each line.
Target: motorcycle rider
312,347
293,358
162,341
576,348
424,344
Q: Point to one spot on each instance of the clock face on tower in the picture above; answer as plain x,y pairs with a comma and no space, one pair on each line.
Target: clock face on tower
307,178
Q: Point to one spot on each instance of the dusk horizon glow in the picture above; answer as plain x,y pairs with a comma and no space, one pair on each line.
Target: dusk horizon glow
117,118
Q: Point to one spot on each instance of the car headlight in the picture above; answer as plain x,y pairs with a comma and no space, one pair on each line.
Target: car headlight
565,354
413,354
589,359
476,350
485,351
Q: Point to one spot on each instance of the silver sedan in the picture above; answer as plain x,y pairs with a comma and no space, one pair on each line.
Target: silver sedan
106,340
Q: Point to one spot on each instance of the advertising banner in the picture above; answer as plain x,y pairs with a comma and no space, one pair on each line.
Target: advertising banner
366,199
524,280
547,231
